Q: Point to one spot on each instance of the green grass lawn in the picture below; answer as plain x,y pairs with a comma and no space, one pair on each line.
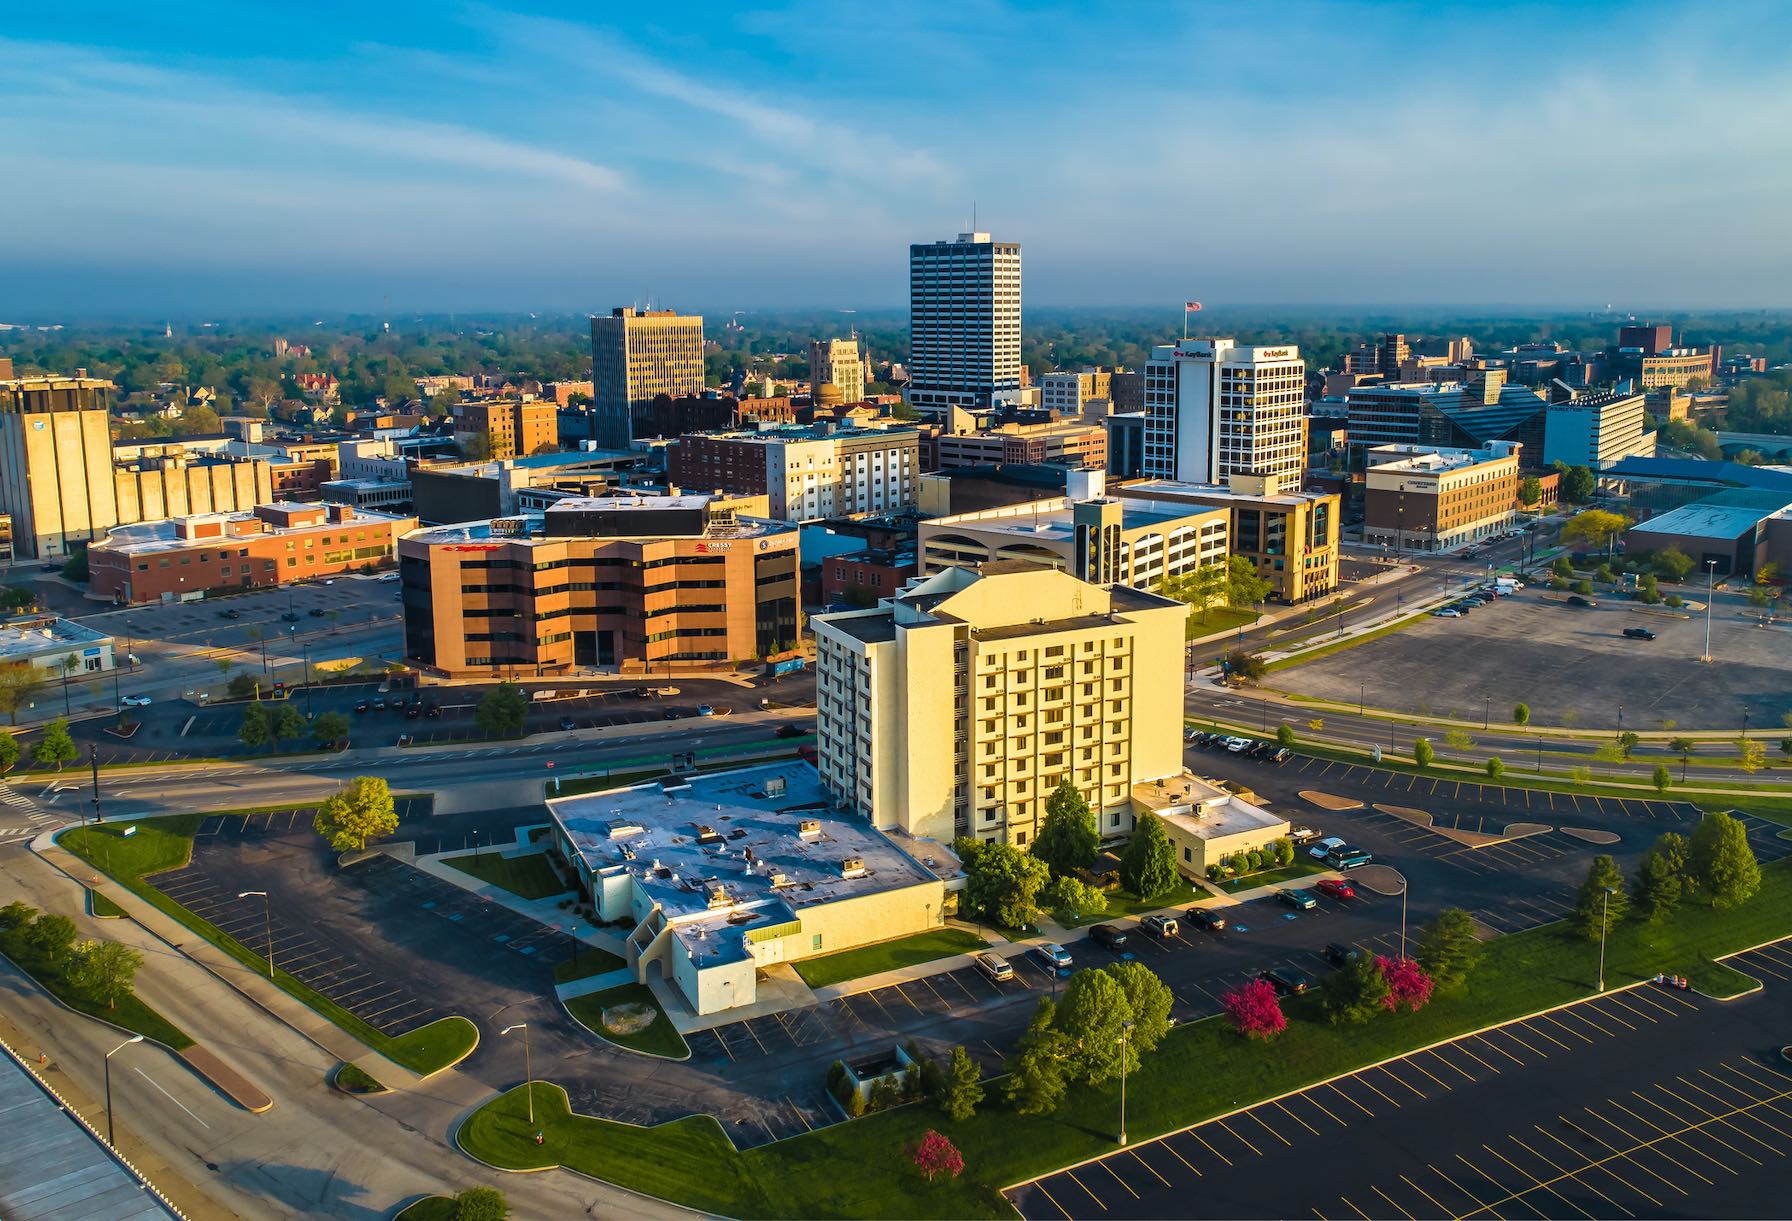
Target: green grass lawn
1201,1070
429,1208
132,1013
352,1080
99,906
1304,866
586,963
1218,619
887,956
157,844
658,1039
530,877
1125,903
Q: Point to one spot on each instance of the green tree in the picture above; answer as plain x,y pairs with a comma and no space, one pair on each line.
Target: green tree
1750,754
1148,866
1683,747
1649,590
50,937
242,686
1036,1075
1658,885
256,730
361,810
1530,491
1068,838
1241,664
1603,899
1073,899
1002,884
9,753
501,712
481,1204
1422,752
55,748
1285,735
1577,485
1661,778
1593,527
1356,993
1496,767
1449,947
1458,739
1243,586
1561,567
1721,862
284,724
1148,1001
1089,1016
1627,742
74,568
330,728
1521,715
1672,564
20,683
105,971
16,915
962,1089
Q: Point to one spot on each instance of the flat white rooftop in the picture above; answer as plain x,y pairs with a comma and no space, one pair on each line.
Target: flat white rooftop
1204,810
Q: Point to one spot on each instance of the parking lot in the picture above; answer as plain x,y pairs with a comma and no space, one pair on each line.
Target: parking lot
1641,1102
1570,665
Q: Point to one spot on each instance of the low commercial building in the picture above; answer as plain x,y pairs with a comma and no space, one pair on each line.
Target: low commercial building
463,491
1726,529
1419,498
1291,535
957,707
506,428
368,493
640,584
58,647
1067,393
1103,539
808,472
186,557
1205,823
1072,443
719,876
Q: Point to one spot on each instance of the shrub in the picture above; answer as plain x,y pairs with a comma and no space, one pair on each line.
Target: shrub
1255,1010
934,1155
1409,987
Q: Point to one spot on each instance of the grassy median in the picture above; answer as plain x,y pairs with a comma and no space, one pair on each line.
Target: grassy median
528,877
158,844
887,956
1201,1070
630,1016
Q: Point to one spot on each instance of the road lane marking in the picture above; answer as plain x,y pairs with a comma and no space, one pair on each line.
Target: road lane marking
1241,1140
1297,1119
1040,1184
1210,1148
1371,1085
1461,1190
1353,1208
1535,1180
1665,1134
171,1098
1627,1154
1588,1163
1147,1165
1384,1195
1103,1163
1347,1098
1086,1191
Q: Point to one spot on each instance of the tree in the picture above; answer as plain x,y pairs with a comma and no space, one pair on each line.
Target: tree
1409,987
1255,1010
1672,564
1068,838
1561,567
1089,1016
105,970
1241,664
1659,885
1683,747
1148,867
1422,752
1243,586
16,915
1627,742
242,686
1449,948
361,810
19,684
1002,884
501,712
1661,778
1198,588
1036,1080
1356,993
475,446
1721,862
1496,767
1458,739
1577,485
481,1204
1521,715
1603,899
1148,1001
1593,527
934,1155
256,730
962,1089
55,747
1530,490
74,568
9,753
1285,735
50,937
284,724
1073,899
1649,590
330,728
1750,754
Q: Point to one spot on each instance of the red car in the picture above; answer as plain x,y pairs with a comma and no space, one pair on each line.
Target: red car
1336,889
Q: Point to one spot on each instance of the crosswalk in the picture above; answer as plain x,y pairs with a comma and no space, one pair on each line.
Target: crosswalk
38,818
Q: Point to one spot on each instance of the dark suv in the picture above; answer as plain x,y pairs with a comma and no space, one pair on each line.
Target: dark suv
1110,935
1639,633
1287,981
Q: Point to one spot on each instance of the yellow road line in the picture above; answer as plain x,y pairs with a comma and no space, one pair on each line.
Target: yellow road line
1460,1189
1440,1081
1371,1085
1465,1051
1588,1163
1353,1208
1686,1144
1731,1124
1536,1181
1390,1199
1103,1163
1567,1029
1147,1165
1632,1009
1497,1185
1424,1193
1040,1184
1297,1119
1210,1148
1086,1190
1165,1144
1253,1114
1347,1098
1309,1097
1492,1046
1627,1154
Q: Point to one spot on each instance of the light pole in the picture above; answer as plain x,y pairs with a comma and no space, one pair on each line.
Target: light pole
1540,758
1125,1029
1404,887
93,761
136,1038
267,919
306,649
1361,687
1710,578
1605,907
1620,720
1486,709
528,1071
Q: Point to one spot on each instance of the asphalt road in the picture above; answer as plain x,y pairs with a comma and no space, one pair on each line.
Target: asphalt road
1643,1102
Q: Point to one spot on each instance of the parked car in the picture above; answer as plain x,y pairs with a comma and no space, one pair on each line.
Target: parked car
705,710
1287,981
1323,848
1446,613
566,722
1303,835
379,703
1348,858
1205,917
1336,888
1340,954
232,613
1639,633
317,612
1578,600
1161,927
362,705
431,710
134,701
1238,745
289,616
1282,755
1259,749
1110,935
1300,900
792,731
994,966
1054,956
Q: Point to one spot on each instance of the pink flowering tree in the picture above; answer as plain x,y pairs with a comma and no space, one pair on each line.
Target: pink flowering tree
935,1155
1409,986
1255,1010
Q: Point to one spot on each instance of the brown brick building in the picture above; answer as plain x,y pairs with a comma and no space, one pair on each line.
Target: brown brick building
1419,498
185,557
647,583
516,429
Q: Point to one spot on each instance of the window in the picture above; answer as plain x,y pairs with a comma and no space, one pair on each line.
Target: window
815,942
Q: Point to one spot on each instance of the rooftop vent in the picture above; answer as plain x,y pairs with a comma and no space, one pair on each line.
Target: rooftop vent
809,828
853,867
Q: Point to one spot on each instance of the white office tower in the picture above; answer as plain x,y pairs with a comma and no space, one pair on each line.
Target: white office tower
1214,409
964,323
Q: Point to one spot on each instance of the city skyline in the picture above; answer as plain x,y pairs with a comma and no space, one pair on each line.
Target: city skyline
473,158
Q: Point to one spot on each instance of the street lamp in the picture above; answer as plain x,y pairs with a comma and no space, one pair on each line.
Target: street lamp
1710,578
1361,687
1125,1029
1404,887
267,918
528,1071
136,1038
1605,907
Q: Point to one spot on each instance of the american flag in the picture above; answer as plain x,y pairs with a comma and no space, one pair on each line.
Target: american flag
1190,307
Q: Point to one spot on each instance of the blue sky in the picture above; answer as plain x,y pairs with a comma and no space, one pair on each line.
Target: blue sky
253,157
